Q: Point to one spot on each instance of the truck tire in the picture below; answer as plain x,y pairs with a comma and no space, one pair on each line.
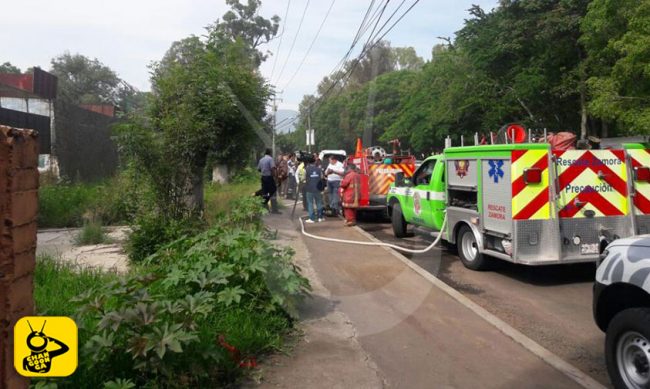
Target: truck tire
468,250
627,348
397,219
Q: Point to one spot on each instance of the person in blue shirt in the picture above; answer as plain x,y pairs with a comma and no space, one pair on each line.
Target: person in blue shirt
266,167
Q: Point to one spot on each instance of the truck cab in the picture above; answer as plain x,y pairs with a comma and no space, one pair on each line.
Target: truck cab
419,200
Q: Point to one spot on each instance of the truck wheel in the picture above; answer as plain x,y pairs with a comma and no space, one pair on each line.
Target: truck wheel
468,250
397,219
627,348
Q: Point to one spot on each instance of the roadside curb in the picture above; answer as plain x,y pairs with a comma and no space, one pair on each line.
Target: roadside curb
538,350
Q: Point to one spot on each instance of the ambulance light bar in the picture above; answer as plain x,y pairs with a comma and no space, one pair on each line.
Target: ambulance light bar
533,175
642,173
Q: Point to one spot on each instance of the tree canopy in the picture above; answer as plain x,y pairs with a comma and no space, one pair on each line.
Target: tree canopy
7,67
207,103
569,65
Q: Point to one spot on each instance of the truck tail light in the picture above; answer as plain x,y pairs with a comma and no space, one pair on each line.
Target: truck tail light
642,173
533,175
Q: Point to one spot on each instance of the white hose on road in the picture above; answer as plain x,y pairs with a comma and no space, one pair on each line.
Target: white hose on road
362,243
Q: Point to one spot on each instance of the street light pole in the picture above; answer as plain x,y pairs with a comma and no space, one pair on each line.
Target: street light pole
309,129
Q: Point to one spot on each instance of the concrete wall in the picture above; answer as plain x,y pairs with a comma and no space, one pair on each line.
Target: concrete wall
18,210
83,145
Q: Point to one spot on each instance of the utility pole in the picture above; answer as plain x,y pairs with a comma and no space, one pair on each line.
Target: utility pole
309,128
275,117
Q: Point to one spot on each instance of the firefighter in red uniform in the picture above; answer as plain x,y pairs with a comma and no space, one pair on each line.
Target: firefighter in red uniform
350,195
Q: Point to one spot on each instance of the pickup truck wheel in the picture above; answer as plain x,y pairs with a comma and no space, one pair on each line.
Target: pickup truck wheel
397,219
627,348
468,250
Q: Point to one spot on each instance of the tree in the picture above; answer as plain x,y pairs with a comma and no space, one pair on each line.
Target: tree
243,23
85,81
407,59
7,67
207,103
616,36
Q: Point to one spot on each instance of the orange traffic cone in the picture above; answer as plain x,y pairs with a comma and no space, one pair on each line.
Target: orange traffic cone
359,152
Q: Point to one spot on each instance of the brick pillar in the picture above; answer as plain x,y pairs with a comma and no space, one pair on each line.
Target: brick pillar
18,211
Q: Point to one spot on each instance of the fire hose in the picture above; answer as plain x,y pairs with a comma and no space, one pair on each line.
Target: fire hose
380,244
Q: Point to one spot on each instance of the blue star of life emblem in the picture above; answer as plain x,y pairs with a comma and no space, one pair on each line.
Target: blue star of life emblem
496,170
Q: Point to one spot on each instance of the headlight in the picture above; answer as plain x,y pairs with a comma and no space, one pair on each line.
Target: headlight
576,240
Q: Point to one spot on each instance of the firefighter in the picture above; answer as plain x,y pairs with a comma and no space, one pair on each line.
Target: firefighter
350,199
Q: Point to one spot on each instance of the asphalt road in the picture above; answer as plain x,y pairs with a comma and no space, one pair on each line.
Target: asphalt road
551,304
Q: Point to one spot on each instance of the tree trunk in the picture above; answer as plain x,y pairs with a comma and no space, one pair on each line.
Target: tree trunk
197,192
604,131
583,112
194,191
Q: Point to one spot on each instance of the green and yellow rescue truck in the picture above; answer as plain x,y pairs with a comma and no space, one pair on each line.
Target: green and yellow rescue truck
527,203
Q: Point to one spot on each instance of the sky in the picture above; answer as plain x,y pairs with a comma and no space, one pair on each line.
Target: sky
129,35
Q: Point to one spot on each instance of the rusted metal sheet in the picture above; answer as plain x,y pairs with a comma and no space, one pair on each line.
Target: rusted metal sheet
40,84
104,109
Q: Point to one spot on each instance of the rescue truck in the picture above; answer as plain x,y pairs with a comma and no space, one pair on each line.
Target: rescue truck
526,202
377,171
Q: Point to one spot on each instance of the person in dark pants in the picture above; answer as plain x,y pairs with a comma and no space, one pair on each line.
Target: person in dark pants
314,176
266,167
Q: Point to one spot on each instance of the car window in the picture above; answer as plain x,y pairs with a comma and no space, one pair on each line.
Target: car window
423,174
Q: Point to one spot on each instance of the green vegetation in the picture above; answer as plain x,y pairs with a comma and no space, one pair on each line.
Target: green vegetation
91,233
575,65
171,321
56,283
114,201
64,205
219,198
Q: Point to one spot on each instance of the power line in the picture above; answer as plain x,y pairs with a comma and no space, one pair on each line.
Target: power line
310,46
364,52
357,36
284,25
294,41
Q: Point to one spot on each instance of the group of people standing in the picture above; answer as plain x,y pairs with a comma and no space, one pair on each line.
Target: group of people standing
310,176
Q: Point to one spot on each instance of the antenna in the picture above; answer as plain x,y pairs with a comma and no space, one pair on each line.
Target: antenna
529,135
42,328
30,326
476,139
462,141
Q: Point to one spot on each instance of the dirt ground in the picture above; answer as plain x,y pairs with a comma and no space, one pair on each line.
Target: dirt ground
59,243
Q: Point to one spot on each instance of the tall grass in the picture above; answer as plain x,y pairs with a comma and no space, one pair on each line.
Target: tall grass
116,200
64,205
56,282
219,197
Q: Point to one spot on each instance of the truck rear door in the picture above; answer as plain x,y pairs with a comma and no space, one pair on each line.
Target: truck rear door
591,200
640,169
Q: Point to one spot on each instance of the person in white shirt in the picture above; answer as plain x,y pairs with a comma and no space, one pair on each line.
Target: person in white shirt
335,172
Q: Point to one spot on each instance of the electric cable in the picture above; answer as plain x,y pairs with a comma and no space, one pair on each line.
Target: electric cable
380,244
284,25
293,44
363,53
302,62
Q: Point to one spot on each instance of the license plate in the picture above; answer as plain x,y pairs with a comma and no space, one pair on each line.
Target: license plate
589,248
